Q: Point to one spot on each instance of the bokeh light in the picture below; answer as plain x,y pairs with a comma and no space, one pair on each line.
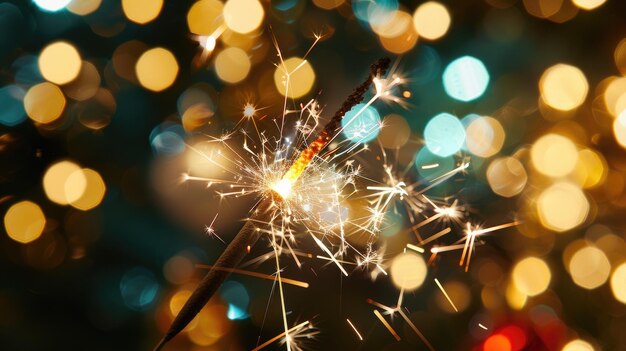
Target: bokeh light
12,102
497,342
444,134
44,102
232,65
52,5
578,345
588,4
142,11
57,186
466,78
554,155
431,20
59,62
395,132
507,176
484,136
94,190
205,17
294,78
563,87
156,69
619,129
139,288
618,283
84,7
24,222
531,276
361,124
589,267
408,271
243,16
562,206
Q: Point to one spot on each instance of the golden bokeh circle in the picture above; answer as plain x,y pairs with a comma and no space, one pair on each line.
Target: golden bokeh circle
531,276
24,222
431,20
243,16
506,176
554,155
44,102
59,187
562,206
408,271
156,69
232,65
294,78
589,267
563,87
59,62
142,11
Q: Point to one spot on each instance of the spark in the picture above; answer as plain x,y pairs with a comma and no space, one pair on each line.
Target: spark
256,274
270,341
387,325
211,231
446,295
482,326
355,330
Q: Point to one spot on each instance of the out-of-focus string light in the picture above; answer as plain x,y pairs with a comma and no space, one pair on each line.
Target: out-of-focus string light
497,342
232,65
563,87
52,5
620,56
562,206
57,187
395,132
93,192
618,283
243,16
59,62
506,176
44,102
24,222
142,11
12,102
465,78
431,20
588,4
554,155
531,276
591,169
615,96
156,69
444,135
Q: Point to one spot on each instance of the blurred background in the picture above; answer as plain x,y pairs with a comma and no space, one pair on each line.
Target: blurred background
100,239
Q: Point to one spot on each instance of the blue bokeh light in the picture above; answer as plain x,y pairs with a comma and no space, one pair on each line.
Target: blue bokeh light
375,12
363,127
12,111
236,295
52,5
139,288
430,166
168,139
465,78
444,134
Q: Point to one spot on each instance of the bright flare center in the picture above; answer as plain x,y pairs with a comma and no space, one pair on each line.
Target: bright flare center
283,187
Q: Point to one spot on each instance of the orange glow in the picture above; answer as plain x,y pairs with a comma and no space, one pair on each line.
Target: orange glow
283,187
497,342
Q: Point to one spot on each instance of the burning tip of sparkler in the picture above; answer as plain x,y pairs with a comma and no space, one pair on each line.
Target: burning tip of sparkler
283,187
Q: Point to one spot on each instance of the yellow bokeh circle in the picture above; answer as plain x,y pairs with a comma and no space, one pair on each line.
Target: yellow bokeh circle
562,206
531,276
24,222
44,102
431,20
589,267
618,283
563,87
59,62
243,16
92,193
408,271
156,69
232,65
554,155
142,11
294,78
59,187
205,17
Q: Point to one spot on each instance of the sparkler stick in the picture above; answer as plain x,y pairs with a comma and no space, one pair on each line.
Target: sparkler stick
249,233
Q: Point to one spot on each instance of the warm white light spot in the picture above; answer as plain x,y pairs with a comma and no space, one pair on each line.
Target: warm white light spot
283,188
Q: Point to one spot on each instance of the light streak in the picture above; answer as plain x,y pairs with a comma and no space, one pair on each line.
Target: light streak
415,248
355,330
270,341
446,295
256,274
387,325
482,326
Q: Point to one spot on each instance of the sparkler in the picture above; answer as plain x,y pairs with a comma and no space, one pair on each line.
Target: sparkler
281,190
